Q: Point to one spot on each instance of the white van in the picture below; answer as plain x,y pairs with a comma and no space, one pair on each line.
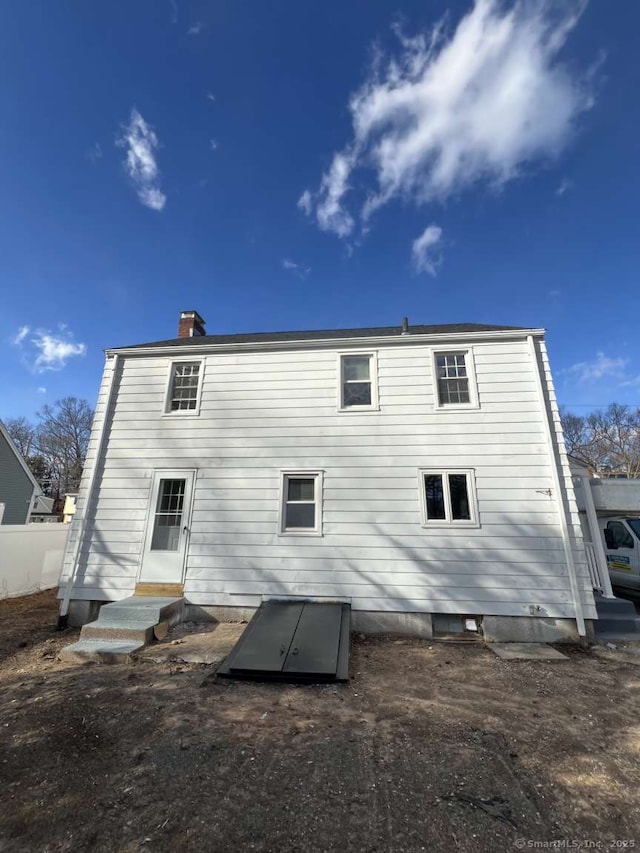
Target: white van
621,537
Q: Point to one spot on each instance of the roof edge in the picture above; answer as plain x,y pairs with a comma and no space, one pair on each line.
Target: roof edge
320,343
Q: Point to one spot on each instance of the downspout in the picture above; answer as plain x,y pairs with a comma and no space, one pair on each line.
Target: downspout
557,482
64,607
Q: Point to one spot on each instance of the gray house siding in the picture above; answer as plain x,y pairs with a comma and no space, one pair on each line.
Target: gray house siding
16,490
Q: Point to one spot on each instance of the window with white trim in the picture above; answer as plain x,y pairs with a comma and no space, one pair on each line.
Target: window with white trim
301,505
358,388
184,387
452,378
448,498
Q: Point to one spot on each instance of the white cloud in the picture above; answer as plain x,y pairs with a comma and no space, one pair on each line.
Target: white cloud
211,97
195,29
213,144
564,186
45,350
54,351
305,203
23,331
297,269
601,367
41,389
422,250
141,143
453,110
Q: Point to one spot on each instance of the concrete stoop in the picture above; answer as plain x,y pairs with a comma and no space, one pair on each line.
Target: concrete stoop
124,627
617,620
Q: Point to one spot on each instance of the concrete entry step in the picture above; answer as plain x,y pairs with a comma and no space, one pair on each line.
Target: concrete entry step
617,619
124,627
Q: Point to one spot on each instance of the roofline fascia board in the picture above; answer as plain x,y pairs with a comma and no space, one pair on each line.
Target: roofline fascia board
5,434
321,343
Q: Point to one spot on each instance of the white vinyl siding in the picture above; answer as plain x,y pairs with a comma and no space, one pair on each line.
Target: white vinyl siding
263,413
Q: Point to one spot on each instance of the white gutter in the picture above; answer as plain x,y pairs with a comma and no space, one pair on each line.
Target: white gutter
319,343
557,482
82,521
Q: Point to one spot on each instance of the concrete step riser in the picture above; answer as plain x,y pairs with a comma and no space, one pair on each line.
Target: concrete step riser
95,631
172,613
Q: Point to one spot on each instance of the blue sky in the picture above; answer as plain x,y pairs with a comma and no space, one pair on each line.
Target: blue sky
289,165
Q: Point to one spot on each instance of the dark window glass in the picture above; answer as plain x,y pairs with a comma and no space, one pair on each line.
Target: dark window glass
301,490
621,536
434,495
357,394
459,497
300,515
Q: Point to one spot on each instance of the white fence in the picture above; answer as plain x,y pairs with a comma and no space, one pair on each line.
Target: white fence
30,557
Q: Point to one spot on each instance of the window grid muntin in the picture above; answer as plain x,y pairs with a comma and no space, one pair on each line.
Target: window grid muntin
452,378
185,385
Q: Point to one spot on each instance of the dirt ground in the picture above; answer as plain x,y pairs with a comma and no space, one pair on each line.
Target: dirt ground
431,746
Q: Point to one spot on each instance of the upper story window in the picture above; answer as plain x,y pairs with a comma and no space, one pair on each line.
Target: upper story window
454,379
358,385
301,506
185,383
448,498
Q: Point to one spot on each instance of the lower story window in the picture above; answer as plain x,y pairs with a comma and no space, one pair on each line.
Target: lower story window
448,498
301,508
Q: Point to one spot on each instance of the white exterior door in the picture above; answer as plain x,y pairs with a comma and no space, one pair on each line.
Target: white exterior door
167,531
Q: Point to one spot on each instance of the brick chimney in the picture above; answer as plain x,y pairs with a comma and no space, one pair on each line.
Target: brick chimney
191,325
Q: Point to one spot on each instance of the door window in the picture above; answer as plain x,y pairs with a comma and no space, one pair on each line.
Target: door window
167,521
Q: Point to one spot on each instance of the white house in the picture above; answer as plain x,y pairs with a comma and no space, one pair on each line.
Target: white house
418,473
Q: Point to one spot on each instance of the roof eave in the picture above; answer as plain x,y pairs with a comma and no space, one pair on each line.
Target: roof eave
320,343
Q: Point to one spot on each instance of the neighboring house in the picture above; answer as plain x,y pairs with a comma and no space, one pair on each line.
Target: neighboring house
44,511
18,487
418,473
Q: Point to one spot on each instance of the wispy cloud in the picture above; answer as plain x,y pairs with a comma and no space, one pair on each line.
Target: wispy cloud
41,389
195,29
213,145
601,367
141,143
425,255
564,186
211,97
94,153
23,331
44,350
456,110
305,203
297,269
174,11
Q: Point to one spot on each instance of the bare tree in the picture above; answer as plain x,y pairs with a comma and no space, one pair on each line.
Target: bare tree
608,440
62,438
23,434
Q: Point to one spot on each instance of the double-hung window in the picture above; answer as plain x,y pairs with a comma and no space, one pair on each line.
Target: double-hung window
358,382
448,498
454,379
301,505
185,382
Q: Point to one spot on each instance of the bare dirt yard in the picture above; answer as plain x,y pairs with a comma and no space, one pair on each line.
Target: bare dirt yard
431,746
